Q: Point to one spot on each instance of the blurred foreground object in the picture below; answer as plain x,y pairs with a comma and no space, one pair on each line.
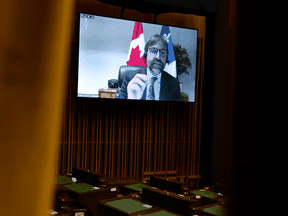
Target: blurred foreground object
34,42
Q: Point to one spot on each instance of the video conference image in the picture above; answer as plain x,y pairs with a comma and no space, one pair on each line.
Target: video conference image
124,59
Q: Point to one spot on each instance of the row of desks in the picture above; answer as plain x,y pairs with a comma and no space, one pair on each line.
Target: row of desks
129,206
188,203
80,195
83,199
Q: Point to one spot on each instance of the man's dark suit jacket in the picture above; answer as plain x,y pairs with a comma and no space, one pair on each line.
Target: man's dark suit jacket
169,90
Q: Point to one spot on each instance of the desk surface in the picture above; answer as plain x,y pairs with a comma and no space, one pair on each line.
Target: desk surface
189,197
216,210
204,193
107,92
64,180
137,187
160,213
107,89
128,205
82,187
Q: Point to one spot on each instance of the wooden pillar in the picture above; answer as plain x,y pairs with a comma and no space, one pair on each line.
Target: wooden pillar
34,42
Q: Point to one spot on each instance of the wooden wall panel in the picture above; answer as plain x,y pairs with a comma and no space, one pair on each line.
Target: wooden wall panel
132,140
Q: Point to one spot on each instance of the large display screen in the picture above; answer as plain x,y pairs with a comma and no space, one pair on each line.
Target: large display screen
125,59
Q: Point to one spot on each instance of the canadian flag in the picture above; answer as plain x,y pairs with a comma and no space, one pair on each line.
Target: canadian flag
136,50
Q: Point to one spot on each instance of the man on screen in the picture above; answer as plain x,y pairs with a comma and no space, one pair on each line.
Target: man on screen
152,83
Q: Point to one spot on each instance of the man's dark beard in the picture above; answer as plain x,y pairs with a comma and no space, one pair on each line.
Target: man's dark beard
154,62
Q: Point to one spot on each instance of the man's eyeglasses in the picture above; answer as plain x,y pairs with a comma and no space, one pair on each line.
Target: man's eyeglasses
154,51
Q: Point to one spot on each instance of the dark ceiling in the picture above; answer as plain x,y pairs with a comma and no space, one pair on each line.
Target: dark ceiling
165,6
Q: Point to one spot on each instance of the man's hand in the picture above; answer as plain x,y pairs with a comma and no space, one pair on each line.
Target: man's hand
137,86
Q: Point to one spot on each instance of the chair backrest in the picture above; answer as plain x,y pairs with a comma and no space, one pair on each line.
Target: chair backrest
124,70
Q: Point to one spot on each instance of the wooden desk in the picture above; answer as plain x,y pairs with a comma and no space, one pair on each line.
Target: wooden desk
124,206
107,92
208,196
87,176
166,184
86,196
132,188
209,210
171,201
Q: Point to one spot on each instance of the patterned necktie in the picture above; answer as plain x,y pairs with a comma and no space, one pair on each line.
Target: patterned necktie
151,94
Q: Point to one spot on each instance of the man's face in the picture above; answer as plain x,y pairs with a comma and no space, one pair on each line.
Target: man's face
156,58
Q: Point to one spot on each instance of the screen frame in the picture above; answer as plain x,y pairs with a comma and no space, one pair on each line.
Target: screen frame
77,49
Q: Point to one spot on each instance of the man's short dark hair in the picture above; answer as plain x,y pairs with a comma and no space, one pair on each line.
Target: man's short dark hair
153,40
